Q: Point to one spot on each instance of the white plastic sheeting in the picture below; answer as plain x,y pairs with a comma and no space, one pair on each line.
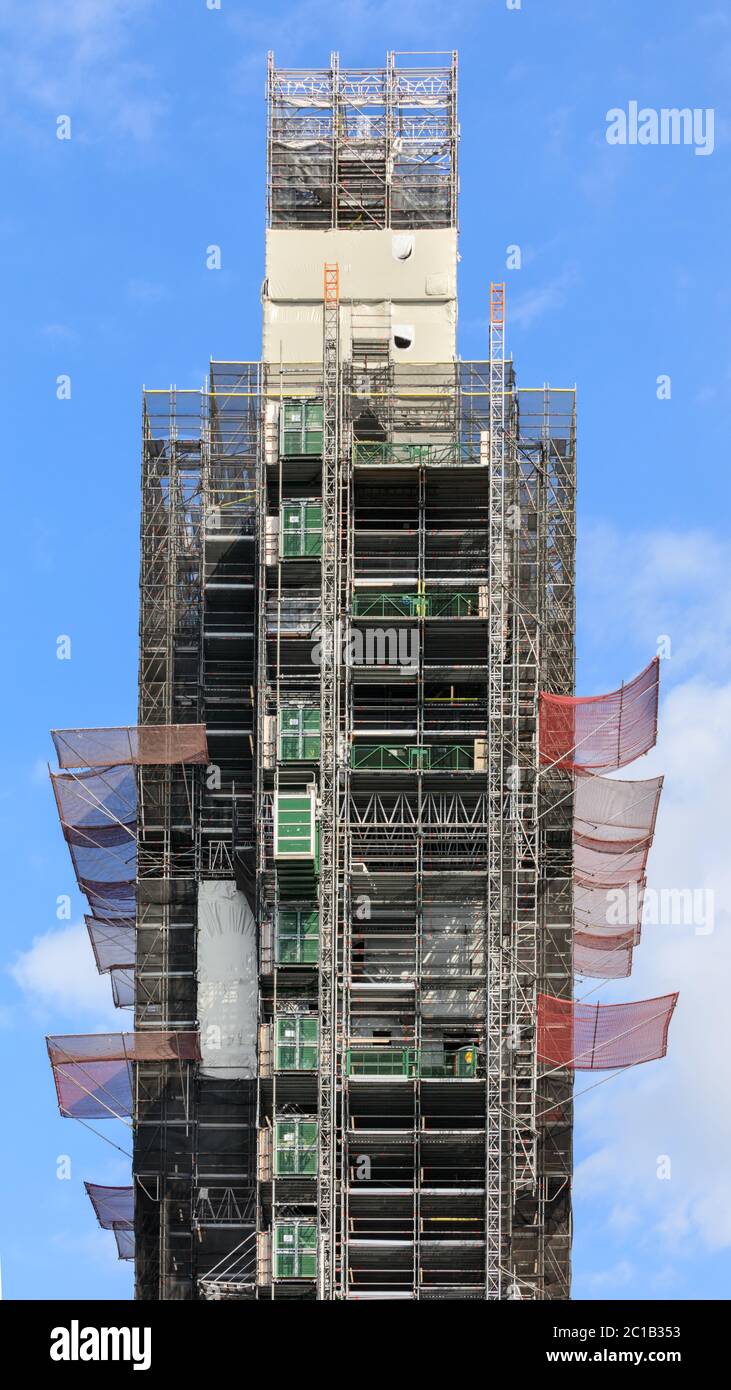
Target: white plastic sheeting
227,981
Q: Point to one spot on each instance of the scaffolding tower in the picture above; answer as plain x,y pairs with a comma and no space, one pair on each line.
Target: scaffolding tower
357,571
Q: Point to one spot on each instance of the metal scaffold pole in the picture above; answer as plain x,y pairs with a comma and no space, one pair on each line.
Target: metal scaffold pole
497,611
329,729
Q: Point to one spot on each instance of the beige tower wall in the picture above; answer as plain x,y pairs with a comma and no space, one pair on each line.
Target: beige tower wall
399,285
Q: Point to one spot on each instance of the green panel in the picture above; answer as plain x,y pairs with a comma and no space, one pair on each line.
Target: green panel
379,1061
412,757
297,937
383,605
299,734
366,451
295,1148
434,605
419,758
296,1044
294,828
295,1251
301,428
442,605
301,529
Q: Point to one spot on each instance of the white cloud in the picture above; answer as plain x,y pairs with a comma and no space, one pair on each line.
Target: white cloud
58,976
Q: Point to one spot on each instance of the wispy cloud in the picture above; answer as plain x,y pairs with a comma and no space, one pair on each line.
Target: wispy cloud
78,59
652,583
530,306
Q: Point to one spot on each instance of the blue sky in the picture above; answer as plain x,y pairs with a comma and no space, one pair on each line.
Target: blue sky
624,277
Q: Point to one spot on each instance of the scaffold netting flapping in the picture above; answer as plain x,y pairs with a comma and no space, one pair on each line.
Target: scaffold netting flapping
612,809
93,1072
123,987
600,733
603,911
98,817
113,1206
96,800
125,1243
607,863
148,744
599,1037
604,957
112,941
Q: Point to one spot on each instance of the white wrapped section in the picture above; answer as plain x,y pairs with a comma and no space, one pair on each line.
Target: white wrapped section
227,982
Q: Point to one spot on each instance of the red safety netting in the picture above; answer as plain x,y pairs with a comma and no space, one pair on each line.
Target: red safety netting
602,910
113,1206
112,941
149,743
601,732
595,1037
604,957
93,1072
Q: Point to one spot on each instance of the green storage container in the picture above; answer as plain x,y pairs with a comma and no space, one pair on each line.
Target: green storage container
295,1250
300,432
301,530
295,1047
297,936
295,1148
299,734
